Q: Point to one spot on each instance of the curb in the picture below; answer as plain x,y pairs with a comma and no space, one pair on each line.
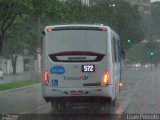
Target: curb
20,88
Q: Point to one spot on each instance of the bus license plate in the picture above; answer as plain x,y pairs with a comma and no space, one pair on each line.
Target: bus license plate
88,68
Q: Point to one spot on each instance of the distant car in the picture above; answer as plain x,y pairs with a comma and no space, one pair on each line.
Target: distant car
136,65
1,74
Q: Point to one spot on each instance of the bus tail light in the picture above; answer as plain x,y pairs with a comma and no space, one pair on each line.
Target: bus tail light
50,30
120,84
104,29
106,77
46,77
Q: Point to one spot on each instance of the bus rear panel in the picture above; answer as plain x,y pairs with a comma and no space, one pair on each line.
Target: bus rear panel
77,63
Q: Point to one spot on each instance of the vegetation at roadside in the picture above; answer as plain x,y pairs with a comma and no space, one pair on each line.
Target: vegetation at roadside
17,84
140,53
22,22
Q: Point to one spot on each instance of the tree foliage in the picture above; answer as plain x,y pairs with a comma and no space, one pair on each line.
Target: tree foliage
9,10
19,41
140,53
123,18
29,17
155,15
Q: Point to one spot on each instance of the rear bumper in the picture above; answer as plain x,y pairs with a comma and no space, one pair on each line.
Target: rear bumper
76,94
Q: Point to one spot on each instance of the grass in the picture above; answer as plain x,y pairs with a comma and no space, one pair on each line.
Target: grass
17,84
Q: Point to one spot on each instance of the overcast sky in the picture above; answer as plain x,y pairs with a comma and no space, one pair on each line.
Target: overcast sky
154,0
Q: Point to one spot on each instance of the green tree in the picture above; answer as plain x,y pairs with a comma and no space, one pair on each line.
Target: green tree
128,23
25,33
20,41
35,15
155,15
9,10
138,53
144,53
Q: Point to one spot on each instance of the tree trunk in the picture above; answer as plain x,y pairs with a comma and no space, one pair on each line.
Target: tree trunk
14,60
1,39
14,68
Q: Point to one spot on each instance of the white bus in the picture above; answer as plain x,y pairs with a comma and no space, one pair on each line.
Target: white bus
81,63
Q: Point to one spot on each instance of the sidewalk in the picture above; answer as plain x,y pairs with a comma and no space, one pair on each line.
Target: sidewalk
17,77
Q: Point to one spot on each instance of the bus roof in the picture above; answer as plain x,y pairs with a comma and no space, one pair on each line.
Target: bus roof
78,25
81,27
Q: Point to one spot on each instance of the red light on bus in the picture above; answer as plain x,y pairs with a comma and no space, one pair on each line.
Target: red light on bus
106,77
120,84
46,77
104,29
50,30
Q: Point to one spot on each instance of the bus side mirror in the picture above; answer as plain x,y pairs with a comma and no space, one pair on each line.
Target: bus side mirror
44,33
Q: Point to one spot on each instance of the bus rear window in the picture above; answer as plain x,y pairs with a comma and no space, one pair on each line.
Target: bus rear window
76,40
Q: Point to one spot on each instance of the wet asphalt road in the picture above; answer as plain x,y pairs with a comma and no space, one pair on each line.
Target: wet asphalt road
138,95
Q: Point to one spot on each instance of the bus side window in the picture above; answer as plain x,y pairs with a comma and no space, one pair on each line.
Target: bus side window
115,49
119,51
